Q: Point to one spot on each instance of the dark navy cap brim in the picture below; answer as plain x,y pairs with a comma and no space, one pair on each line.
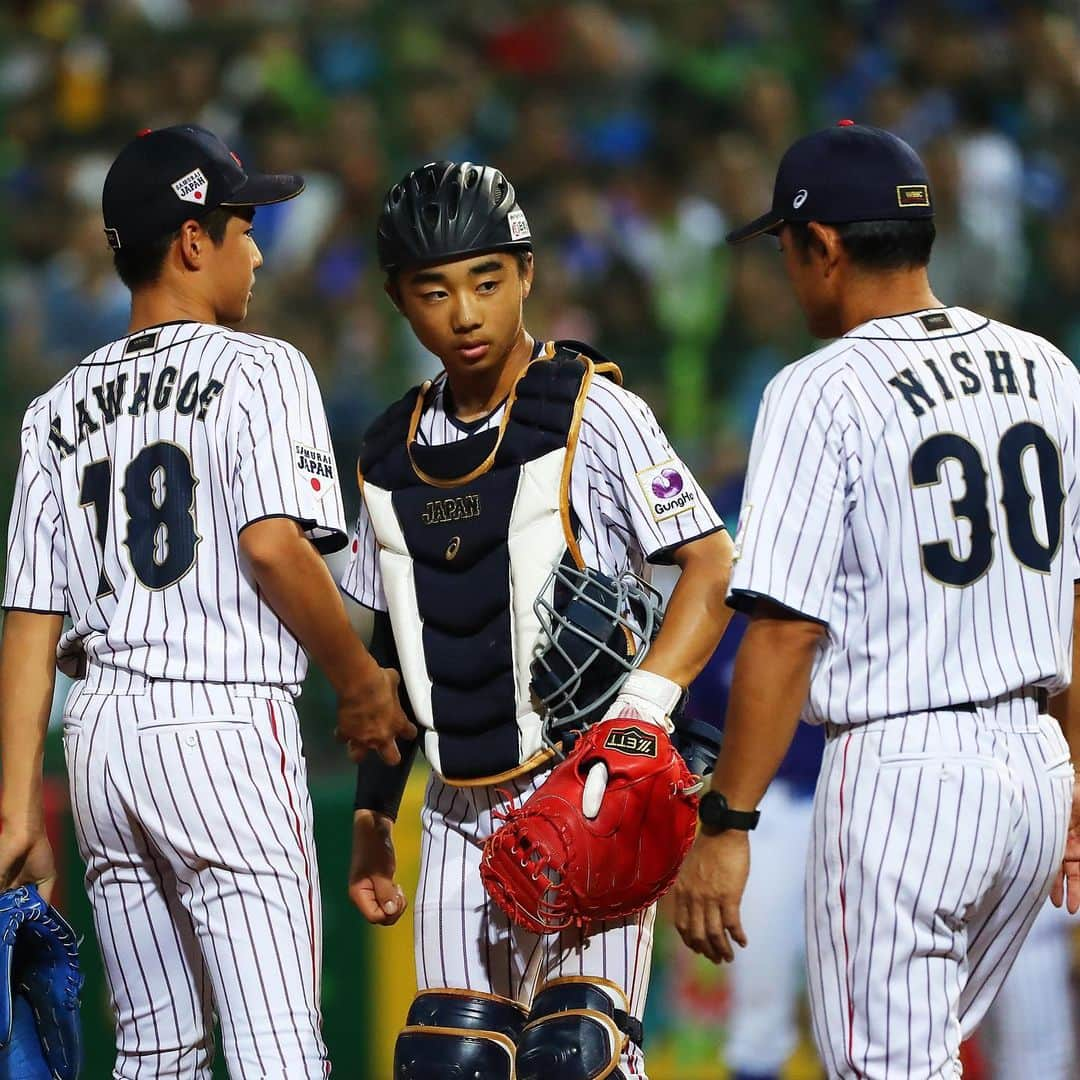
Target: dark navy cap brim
766,224
262,189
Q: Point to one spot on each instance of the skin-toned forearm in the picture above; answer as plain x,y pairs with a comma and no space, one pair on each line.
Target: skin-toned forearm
297,584
768,690
27,672
697,614
1065,707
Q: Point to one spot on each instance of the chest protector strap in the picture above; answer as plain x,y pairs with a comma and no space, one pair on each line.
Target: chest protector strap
467,535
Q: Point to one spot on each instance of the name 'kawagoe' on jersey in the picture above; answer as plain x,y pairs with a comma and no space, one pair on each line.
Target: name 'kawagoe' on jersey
138,471
913,486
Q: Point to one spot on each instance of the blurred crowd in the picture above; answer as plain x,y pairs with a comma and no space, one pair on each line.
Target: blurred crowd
635,131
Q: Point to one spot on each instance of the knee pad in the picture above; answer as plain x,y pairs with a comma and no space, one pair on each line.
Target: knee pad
578,1029
458,1033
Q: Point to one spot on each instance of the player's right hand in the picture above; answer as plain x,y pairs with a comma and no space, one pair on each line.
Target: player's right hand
1066,888
371,871
370,717
26,858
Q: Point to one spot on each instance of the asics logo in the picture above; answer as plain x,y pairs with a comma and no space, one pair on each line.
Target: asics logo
800,198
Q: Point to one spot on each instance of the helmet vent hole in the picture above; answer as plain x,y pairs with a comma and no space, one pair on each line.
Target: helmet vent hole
471,177
431,214
498,191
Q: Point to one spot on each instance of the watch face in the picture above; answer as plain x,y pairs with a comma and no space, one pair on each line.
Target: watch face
713,808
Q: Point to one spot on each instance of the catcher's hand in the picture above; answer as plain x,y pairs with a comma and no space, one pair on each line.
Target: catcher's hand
643,696
40,980
550,865
371,872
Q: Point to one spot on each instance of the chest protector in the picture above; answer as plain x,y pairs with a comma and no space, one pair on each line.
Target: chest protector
467,534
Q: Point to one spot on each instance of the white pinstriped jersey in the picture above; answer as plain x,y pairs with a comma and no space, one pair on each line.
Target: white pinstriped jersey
914,486
139,469
635,500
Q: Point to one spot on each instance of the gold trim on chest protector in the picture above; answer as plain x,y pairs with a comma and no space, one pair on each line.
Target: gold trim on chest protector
418,410
541,757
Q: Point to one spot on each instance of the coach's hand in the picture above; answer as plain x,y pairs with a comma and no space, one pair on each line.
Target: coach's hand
26,858
708,893
1066,888
370,717
371,873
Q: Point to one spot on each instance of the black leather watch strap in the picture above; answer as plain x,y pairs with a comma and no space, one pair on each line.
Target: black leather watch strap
717,816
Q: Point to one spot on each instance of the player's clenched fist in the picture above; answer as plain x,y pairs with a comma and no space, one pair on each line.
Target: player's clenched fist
371,871
708,892
369,715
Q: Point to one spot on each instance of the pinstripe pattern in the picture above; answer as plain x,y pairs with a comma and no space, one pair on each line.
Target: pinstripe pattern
883,501
833,527
200,866
212,624
618,529
187,776
933,915
464,940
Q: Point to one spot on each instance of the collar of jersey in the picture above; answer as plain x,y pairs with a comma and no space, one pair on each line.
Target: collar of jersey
963,322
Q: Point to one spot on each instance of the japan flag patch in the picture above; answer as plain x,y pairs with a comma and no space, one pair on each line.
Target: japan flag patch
192,188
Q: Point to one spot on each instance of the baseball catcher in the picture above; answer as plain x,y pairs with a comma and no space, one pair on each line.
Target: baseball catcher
40,980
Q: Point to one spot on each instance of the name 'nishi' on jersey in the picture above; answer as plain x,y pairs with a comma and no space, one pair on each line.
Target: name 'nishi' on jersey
139,469
914,486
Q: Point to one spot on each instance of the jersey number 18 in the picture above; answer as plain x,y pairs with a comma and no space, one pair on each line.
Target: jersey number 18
159,496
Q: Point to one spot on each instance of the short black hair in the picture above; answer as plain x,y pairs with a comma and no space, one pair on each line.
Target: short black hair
878,245
522,256
139,266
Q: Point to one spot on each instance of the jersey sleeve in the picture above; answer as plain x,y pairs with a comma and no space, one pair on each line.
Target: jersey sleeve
635,477
362,579
285,464
787,548
36,578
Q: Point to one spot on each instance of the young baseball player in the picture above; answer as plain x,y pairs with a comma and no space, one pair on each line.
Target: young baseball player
174,492
475,486
907,550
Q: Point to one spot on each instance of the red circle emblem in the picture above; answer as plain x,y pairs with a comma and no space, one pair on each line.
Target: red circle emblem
198,194
355,546
315,483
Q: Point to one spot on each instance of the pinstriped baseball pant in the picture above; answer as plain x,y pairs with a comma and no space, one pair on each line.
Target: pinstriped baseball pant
463,940
193,817
935,840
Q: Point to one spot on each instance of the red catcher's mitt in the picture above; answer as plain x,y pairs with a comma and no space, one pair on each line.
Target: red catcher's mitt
549,867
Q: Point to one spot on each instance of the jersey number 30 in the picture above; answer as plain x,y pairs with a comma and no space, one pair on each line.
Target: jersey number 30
974,504
159,496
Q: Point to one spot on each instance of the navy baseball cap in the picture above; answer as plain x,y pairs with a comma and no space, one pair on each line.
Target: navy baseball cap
165,177
845,173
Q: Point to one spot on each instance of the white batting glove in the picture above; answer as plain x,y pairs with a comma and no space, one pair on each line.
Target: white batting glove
644,696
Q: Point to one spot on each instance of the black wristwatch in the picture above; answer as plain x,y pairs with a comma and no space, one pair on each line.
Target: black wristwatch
717,816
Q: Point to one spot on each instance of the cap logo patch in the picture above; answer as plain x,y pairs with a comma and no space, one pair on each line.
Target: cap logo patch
800,198
192,188
519,227
912,195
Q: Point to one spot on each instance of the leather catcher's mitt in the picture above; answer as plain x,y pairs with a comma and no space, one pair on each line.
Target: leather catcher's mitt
40,980
548,866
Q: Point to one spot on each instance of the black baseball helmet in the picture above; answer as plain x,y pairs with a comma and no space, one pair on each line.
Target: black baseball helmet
444,211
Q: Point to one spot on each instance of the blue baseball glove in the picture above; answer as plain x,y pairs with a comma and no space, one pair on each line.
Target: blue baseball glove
40,980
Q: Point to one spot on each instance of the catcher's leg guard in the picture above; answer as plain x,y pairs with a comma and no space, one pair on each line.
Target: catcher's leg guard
577,1030
456,1033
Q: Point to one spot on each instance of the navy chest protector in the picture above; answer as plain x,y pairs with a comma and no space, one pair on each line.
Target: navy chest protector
468,533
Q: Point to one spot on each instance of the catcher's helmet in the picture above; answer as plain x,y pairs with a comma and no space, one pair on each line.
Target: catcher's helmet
594,631
445,211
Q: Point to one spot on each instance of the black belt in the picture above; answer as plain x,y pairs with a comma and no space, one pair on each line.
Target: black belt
1038,694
